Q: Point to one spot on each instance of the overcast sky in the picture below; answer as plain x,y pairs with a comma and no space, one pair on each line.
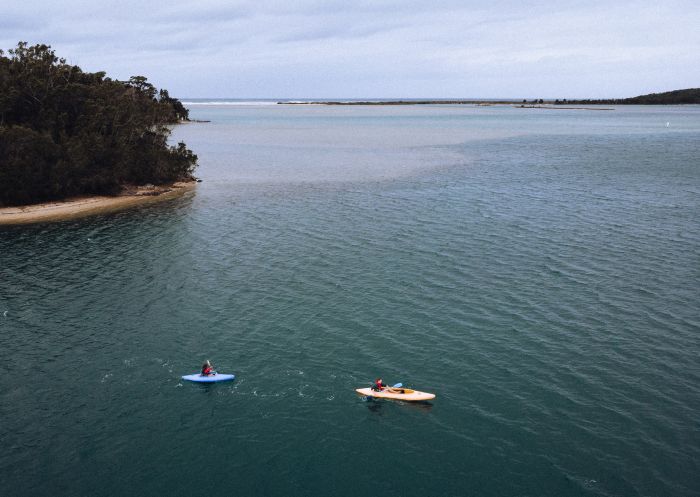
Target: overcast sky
374,48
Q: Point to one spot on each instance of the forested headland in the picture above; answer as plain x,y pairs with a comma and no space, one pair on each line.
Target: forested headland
675,97
65,132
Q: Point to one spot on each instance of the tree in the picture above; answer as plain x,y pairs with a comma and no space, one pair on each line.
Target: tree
65,132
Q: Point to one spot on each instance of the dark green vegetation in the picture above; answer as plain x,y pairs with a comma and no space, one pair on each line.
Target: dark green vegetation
65,132
676,97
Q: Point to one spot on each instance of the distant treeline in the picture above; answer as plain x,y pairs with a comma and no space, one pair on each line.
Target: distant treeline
65,132
687,96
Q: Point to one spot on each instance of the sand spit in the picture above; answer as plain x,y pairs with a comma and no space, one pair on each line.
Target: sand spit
86,206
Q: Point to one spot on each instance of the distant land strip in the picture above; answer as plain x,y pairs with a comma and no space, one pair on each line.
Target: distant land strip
675,97
544,105
404,102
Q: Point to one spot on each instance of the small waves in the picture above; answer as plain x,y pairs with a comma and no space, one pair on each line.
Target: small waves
254,103
548,298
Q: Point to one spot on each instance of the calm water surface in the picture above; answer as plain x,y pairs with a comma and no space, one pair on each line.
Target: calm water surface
539,270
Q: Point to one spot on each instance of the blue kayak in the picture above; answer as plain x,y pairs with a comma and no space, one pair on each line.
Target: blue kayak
213,378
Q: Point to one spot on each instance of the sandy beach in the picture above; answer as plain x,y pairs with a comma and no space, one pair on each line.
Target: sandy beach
90,205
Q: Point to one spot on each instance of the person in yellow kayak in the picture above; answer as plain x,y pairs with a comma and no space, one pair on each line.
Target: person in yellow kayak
380,386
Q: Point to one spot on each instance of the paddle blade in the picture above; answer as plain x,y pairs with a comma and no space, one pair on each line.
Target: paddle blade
398,385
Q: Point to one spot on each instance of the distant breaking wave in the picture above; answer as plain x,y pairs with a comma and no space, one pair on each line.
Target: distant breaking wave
229,102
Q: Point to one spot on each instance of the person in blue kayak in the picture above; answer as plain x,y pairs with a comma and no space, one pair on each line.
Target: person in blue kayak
207,369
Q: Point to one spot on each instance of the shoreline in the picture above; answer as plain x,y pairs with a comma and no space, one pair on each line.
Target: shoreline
402,102
476,103
91,205
558,107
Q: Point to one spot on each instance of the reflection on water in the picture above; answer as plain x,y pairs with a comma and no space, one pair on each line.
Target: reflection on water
376,405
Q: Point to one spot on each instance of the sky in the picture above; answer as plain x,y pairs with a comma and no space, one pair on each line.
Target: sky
373,49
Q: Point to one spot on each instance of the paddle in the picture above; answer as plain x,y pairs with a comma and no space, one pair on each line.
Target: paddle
398,385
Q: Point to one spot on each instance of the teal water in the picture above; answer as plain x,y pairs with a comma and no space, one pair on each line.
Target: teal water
538,270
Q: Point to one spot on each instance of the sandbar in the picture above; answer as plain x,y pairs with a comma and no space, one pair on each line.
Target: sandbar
91,205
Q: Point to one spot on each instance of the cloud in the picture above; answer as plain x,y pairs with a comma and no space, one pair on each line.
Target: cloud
336,48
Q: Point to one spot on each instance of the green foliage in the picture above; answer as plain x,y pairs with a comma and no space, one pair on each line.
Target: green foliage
675,97
65,132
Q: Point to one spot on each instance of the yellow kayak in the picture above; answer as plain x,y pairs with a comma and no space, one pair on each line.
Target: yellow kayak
406,394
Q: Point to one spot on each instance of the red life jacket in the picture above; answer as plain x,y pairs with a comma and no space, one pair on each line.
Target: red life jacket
207,370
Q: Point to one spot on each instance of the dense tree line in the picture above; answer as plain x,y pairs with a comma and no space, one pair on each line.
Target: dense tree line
675,97
65,132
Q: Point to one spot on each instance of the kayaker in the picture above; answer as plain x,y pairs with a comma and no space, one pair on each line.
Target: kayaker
207,369
378,385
